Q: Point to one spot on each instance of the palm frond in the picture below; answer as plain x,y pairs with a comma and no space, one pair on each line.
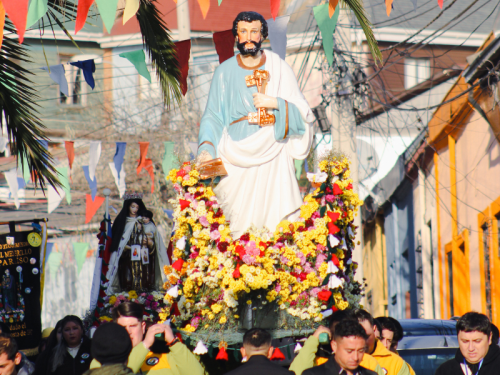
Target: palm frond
17,104
356,6
161,50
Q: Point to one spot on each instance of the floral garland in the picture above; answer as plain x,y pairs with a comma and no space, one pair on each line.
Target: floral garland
305,267
14,315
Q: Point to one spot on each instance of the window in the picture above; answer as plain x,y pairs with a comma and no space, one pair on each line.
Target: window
487,268
77,87
449,257
416,71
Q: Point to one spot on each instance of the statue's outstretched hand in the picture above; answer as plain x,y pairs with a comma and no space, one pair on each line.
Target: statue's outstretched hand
264,101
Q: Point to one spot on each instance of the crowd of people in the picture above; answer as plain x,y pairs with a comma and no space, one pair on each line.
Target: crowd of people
358,345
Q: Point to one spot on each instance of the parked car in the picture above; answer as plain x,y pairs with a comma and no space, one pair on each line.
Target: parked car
427,343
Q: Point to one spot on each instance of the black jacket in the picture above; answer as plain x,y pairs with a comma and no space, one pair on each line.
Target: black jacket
490,366
331,367
260,365
77,365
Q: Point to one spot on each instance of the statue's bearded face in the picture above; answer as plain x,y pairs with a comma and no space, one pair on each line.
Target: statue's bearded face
249,37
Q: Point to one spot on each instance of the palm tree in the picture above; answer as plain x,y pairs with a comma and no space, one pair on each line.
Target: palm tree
17,96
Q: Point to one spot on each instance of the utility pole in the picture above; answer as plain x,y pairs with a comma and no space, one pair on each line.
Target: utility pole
183,25
344,129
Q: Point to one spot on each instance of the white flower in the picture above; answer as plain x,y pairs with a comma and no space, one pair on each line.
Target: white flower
297,348
200,348
333,240
181,243
174,291
334,282
282,306
332,268
317,177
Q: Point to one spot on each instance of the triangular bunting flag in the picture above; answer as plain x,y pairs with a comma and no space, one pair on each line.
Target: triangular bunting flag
92,206
2,23
119,156
54,198
24,169
54,263
168,157
92,183
332,5
138,59
88,67
37,10
70,150
204,7
275,8
440,3
17,10
81,13
119,181
80,249
131,8
145,163
277,34
183,49
220,2
64,180
298,168
326,27
94,156
13,183
58,75
414,5
224,44
388,7
107,9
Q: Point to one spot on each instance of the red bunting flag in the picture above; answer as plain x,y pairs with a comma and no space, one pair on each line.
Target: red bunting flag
334,216
277,355
178,265
337,190
224,44
388,6
70,150
440,3
204,7
17,10
275,7
81,13
332,5
2,23
222,355
183,49
145,163
91,207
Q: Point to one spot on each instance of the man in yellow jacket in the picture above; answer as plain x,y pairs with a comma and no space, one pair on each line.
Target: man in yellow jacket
144,359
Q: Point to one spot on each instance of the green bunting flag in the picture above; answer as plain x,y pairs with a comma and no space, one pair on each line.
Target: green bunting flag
64,180
168,157
138,59
54,263
327,27
298,168
107,9
220,1
80,250
37,10
24,168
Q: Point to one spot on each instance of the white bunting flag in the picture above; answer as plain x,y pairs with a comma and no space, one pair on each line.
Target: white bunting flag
120,184
277,34
11,177
94,155
54,198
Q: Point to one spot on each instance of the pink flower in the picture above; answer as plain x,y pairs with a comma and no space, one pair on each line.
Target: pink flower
308,268
215,235
186,177
315,215
195,322
284,259
177,188
277,288
320,248
187,168
150,298
204,221
251,249
319,260
330,198
154,305
301,256
248,259
147,303
314,292
194,255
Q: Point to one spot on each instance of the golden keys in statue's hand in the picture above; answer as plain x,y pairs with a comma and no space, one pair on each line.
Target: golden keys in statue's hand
261,118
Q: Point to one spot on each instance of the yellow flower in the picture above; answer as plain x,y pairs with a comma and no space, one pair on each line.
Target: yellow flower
189,328
112,300
222,320
216,308
249,302
132,295
211,316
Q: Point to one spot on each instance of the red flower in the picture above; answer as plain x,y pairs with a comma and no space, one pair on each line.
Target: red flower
236,272
277,355
349,187
240,250
178,265
184,204
263,244
335,260
181,173
245,237
336,189
222,246
324,295
218,214
303,276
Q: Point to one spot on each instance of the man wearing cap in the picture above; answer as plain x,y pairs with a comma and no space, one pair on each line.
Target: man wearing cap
111,346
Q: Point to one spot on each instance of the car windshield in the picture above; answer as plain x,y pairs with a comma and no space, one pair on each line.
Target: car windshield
426,361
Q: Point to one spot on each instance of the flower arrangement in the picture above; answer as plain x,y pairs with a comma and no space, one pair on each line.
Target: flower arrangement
304,267
13,316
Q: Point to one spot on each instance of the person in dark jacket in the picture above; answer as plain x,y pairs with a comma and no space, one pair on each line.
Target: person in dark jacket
42,361
475,355
349,346
111,346
257,350
72,355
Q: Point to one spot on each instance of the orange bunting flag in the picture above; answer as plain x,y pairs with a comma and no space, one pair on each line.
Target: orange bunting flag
17,10
2,23
204,7
91,207
388,7
81,13
70,150
332,4
275,8
440,3
145,163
